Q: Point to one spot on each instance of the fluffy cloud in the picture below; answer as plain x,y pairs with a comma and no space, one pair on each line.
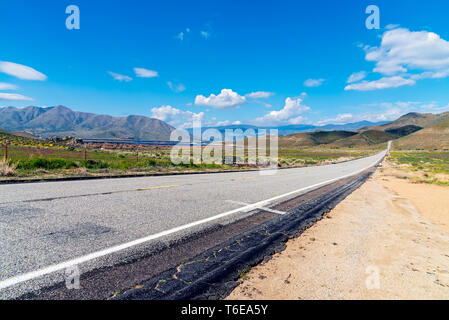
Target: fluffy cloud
259,95
21,71
176,117
119,77
383,83
291,113
225,100
356,76
7,86
402,50
385,111
227,123
145,73
405,56
314,82
176,87
14,97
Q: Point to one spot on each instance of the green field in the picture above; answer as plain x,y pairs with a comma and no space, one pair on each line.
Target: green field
38,158
428,167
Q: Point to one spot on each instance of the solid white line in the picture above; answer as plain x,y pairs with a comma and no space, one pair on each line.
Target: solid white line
70,263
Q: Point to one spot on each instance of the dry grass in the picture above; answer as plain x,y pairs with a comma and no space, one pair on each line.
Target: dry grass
7,169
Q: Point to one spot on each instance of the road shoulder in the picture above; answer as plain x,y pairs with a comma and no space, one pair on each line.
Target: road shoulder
384,241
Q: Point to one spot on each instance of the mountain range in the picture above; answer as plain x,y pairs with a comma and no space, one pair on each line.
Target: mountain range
298,128
62,121
413,131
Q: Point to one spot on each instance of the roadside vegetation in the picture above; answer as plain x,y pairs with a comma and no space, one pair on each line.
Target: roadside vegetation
421,166
33,158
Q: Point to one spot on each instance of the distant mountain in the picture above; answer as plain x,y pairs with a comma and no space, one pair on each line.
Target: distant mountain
373,137
422,120
62,121
344,139
311,139
434,137
298,128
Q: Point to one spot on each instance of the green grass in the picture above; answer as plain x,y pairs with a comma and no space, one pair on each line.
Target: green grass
429,167
32,157
435,162
31,160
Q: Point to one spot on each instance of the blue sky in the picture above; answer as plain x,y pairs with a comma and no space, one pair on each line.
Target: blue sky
264,62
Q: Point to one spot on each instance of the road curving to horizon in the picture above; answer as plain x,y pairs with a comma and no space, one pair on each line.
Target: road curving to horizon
48,227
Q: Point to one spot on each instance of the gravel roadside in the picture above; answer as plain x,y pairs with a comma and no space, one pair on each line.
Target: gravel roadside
387,240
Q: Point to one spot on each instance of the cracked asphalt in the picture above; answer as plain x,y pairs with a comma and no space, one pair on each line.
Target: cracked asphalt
44,224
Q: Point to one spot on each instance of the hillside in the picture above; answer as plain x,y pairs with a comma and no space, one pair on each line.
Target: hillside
310,139
435,137
364,139
297,128
62,121
422,120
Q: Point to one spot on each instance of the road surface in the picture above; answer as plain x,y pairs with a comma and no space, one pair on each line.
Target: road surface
46,228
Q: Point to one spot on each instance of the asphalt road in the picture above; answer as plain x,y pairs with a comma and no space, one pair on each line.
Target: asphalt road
47,227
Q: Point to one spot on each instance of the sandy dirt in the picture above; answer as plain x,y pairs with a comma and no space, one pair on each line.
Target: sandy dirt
387,240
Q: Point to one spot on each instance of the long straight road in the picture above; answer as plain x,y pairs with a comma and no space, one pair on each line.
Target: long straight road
46,228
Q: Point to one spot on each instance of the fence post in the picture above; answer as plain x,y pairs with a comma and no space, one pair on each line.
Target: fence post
85,153
137,156
6,150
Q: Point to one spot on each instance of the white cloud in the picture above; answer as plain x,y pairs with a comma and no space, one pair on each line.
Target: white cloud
405,56
385,111
176,117
383,115
223,123
21,71
7,86
383,83
291,113
145,73
226,99
119,77
356,76
226,123
180,36
176,87
259,95
391,26
402,50
205,34
14,97
314,82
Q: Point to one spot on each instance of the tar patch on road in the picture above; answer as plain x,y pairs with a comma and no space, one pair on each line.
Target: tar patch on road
215,273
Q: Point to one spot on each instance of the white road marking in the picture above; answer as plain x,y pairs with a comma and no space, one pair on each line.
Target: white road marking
250,207
70,263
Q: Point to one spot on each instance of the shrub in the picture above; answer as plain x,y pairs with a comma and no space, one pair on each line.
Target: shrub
7,168
94,164
49,164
